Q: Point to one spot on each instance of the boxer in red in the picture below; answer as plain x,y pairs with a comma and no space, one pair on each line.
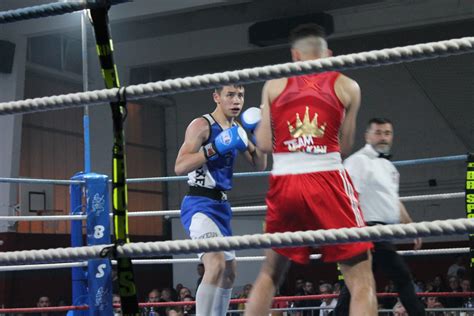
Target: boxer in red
307,122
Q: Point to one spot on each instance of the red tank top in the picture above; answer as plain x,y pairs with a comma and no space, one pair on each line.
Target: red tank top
307,115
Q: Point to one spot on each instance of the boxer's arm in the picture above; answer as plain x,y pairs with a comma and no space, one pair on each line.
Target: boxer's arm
263,133
190,155
250,119
256,157
348,92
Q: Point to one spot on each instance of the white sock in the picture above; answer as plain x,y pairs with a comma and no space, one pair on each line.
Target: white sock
221,301
205,299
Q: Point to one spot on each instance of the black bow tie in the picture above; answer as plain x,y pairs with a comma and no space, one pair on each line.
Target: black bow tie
385,156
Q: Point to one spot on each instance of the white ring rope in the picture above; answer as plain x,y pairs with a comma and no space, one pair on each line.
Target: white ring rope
172,86
235,210
422,252
257,241
409,162
43,218
428,197
174,213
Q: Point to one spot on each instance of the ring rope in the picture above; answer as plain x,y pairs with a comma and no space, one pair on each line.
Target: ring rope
424,161
266,173
40,181
428,197
235,210
66,265
236,175
312,297
257,74
51,9
256,241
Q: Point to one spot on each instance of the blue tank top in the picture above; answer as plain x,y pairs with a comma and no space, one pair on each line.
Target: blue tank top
214,174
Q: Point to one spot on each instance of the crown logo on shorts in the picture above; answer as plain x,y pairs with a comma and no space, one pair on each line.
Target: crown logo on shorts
307,127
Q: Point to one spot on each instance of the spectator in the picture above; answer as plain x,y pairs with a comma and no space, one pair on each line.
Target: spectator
457,269
116,301
183,293
429,286
299,291
327,288
420,286
465,285
299,285
438,284
245,294
189,309
43,302
433,302
179,286
167,295
453,286
154,297
308,290
174,311
399,309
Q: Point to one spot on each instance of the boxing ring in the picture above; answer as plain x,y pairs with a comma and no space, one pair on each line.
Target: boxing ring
92,291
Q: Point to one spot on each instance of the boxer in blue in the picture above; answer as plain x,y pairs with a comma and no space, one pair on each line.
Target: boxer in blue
207,155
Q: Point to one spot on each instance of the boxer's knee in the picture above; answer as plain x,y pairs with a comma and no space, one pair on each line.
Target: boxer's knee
215,266
275,266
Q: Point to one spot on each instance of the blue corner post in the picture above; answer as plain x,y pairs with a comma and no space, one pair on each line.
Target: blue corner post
91,286
79,275
99,271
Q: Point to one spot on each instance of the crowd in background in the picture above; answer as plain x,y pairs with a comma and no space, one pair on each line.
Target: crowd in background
455,280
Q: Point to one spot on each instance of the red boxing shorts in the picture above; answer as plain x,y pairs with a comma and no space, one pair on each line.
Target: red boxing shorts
311,201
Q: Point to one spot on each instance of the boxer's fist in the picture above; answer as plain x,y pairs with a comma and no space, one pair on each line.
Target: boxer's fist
228,140
250,118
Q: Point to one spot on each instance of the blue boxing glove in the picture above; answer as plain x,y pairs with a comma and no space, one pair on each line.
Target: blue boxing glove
250,120
228,140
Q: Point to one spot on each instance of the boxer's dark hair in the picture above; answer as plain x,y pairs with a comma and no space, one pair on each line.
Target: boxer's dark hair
306,30
219,89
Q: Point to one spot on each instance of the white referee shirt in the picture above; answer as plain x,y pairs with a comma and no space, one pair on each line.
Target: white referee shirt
377,181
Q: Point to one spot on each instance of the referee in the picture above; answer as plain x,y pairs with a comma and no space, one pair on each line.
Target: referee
377,180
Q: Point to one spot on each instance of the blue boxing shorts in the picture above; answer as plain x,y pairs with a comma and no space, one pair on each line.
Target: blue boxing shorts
203,217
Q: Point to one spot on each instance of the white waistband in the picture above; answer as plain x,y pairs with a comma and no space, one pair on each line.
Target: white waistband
296,163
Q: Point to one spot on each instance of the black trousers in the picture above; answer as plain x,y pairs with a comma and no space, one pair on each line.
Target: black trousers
386,258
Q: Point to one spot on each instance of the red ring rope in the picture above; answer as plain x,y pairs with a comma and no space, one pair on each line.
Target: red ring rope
233,301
